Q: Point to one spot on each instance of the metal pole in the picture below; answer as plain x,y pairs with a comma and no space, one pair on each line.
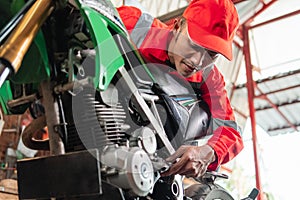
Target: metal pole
250,88
52,119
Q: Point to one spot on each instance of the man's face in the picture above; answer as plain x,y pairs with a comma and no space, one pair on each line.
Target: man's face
187,56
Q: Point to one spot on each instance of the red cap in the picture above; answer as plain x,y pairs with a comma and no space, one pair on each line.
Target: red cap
212,24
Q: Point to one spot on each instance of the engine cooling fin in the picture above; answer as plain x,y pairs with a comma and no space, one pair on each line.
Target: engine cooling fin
97,124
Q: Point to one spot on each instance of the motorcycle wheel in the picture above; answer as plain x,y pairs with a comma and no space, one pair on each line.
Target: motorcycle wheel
207,191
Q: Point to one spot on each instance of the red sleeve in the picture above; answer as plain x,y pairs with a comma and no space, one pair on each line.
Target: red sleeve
129,15
226,140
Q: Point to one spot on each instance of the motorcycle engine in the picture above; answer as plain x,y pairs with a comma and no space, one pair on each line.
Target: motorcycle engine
125,153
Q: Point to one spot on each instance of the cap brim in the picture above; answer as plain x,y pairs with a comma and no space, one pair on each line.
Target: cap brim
209,41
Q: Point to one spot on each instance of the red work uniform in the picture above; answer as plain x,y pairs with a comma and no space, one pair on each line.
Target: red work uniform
151,37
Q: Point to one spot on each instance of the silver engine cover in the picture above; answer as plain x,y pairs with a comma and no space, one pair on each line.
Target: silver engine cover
134,167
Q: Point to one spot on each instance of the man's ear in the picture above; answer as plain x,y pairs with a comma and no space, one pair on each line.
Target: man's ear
176,26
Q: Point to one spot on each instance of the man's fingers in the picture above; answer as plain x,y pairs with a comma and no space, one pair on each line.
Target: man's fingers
177,166
176,155
189,161
182,166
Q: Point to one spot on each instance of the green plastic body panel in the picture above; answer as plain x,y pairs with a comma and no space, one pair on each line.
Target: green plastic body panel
6,95
108,57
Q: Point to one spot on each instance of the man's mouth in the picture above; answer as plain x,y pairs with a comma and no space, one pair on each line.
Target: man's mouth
189,66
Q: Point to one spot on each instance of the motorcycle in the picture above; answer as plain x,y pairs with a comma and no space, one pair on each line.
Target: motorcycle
112,119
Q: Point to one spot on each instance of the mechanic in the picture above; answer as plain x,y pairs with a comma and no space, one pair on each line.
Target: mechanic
191,45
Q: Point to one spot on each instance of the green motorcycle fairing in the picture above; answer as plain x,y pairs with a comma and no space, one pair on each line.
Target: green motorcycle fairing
5,96
108,57
103,22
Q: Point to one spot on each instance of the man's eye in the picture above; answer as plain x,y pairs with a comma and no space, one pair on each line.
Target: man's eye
212,53
198,49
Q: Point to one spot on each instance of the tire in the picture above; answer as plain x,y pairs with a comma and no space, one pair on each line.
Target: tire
207,191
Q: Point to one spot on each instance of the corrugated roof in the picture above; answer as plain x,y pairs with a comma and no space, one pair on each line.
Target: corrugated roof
277,102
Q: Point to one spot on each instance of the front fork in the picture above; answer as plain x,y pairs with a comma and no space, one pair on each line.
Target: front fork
20,39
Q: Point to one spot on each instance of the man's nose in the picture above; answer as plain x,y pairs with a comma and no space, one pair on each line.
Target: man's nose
197,58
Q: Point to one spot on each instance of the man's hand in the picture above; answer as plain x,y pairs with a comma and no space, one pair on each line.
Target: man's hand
191,161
